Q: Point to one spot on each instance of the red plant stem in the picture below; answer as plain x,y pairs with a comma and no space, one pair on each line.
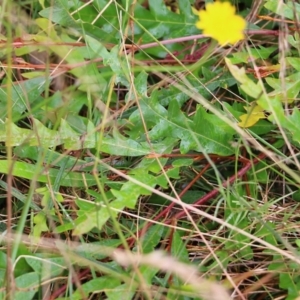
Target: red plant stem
247,165
62,289
164,212
214,192
201,36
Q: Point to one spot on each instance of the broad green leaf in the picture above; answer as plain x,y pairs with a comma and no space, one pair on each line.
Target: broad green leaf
50,157
47,267
22,94
123,291
112,59
178,249
89,76
29,282
290,122
214,135
91,215
289,91
258,52
96,218
186,10
266,232
286,9
203,132
148,272
96,286
287,282
116,145
293,125
238,242
152,238
32,172
294,62
59,13
161,23
294,40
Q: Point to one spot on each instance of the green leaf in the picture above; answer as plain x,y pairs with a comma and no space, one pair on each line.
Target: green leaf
294,62
291,87
214,135
30,282
22,94
238,241
112,59
116,145
47,267
203,133
286,9
178,249
3,267
123,291
247,85
160,22
59,12
96,286
32,172
152,238
40,222
96,219
259,52
287,282
294,119
266,232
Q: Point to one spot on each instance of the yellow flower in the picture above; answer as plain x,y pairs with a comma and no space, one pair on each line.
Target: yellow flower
220,22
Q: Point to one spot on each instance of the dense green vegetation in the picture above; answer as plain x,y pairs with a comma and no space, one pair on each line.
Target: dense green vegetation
142,160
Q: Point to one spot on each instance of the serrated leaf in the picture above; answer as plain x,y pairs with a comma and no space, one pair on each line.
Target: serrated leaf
204,132
22,93
112,59
129,193
160,22
96,219
116,145
214,134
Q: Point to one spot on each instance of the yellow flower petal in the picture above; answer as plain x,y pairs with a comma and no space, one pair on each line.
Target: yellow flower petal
220,22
